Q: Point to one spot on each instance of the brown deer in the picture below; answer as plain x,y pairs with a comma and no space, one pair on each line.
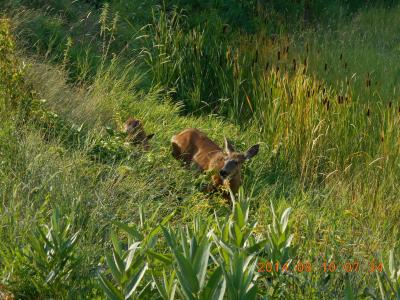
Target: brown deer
192,145
136,134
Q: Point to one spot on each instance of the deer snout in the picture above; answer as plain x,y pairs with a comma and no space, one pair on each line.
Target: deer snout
223,173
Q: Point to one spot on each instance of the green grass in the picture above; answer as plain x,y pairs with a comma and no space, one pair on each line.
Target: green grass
335,165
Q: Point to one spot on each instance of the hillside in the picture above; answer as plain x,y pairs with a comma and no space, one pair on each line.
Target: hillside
84,215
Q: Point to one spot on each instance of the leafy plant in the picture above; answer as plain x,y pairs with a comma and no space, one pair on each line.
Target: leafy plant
191,251
389,282
280,249
127,268
128,264
52,255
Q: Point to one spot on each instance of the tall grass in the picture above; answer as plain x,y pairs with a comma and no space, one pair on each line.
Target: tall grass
298,115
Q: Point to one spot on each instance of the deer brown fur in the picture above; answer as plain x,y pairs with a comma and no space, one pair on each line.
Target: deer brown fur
136,134
193,146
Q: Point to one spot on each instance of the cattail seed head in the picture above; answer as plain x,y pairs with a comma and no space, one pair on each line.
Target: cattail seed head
279,55
228,54
368,112
326,66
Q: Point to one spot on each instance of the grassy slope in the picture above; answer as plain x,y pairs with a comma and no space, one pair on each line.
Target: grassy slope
39,175
344,217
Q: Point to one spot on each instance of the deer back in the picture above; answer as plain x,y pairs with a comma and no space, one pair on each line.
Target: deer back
195,146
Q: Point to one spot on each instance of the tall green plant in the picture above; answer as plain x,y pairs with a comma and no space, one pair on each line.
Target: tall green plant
129,262
191,251
52,256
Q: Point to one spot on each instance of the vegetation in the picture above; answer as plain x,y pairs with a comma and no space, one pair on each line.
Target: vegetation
85,216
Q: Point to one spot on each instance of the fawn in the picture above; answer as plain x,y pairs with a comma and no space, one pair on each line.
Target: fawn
136,134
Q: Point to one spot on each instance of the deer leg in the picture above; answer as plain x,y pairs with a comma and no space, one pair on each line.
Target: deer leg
178,155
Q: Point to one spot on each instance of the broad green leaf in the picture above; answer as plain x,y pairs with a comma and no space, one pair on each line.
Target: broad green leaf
200,261
188,279
128,260
212,284
157,229
348,292
252,293
254,249
162,289
186,290
225,232
134,282
109,289
238,235
129,230
116,244
185,247
285,218
188,272
165,258
239,215
119,263
223,245
114,270
193,248
168,237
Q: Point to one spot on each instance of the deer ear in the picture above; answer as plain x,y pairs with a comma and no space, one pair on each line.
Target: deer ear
253,150
228,146
149,137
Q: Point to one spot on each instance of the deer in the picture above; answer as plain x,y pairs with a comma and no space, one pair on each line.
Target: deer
193,146
135,134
